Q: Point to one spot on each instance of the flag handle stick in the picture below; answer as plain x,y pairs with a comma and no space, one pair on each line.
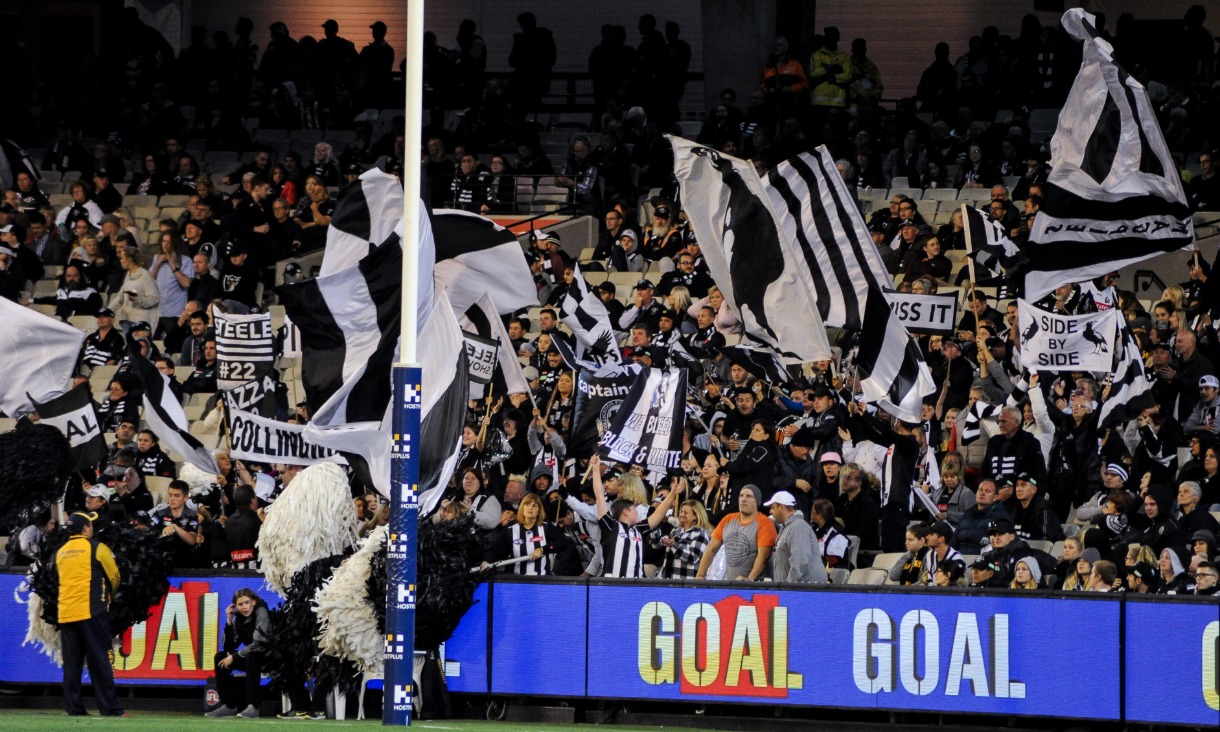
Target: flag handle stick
551,404
491,387
970,250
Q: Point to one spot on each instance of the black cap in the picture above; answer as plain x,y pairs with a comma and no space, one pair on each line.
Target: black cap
105,313
985,563
1028,478
101,173
666,313
909,222
804,438
1143,570
1001,526
79,520
661,211
356,168
139,325
820,390
644,285
236,248
943,529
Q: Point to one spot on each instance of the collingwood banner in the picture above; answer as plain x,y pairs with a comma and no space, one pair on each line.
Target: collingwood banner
75,415
245,348
267,441
1052,342
598,398
481,356
647,429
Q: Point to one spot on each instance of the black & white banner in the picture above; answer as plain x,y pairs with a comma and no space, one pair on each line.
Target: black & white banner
1052,342
647,429
924,313
268,442
245,349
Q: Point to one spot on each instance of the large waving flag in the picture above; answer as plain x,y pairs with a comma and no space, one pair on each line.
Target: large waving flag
164,415
586,316
39,355
1114,196
750,258
817,212
475,255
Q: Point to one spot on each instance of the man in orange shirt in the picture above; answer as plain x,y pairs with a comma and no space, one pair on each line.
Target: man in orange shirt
88,577
748,538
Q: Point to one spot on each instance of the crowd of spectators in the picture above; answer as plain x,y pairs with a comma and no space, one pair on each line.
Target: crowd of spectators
843,485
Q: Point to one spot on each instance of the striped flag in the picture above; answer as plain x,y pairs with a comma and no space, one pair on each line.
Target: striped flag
818,213
366,215
1130,390
761,363
585,314
981,410
989,245
349,323
1114,196
475,255
748,254
163,413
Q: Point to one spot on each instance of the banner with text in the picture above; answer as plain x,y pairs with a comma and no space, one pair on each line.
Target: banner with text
481,357
924,313
1053,342
245,348
266,441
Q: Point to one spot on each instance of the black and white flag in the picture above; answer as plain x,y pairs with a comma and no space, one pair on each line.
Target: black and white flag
369,216
245,348
163,413
648,427
475,255
349,324
762,363
749,256
490,351
598,398
981,410
1130,390
1053,342
989,245
818,213
40,353
366,215
1114,196
75,415
585,315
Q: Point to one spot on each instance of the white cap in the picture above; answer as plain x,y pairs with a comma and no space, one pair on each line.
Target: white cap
783,498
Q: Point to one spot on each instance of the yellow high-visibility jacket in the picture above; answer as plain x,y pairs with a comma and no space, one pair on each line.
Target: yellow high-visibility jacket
87,578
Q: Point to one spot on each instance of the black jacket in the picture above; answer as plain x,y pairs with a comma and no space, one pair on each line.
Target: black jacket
754,465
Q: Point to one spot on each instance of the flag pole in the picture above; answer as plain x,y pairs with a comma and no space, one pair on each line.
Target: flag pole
399,684
970,263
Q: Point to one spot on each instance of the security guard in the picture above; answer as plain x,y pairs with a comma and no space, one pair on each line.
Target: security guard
88,577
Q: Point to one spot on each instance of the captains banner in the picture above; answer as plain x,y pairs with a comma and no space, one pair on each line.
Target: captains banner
1052,342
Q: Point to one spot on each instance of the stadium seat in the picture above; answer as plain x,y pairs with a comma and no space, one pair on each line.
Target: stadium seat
51,176
1040,544
838,576
866,577
938,194
1057,550
7,424
158,486
139,200
885,561
912,193
178,201
855,549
